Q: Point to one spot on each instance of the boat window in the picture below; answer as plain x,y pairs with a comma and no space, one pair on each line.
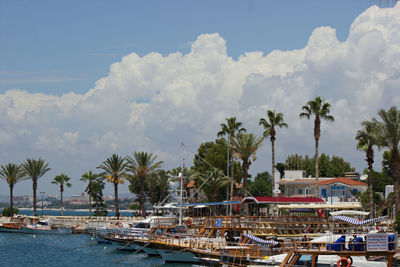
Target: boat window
42,223
142,225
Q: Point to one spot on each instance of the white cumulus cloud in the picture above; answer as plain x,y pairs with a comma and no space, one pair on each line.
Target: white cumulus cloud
154,102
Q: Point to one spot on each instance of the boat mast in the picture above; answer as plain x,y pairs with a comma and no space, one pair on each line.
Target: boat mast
181,200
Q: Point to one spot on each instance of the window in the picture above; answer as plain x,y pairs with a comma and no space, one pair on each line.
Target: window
300,191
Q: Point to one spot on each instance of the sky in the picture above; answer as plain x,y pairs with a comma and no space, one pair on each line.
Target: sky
81,80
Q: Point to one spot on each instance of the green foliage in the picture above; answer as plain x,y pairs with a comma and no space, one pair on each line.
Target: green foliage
262,185
214,184
328,167
157,186
397,223
7,211
211,155
97,194
134,206
365,199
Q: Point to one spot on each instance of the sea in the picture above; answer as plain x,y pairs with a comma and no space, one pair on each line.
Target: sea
18,249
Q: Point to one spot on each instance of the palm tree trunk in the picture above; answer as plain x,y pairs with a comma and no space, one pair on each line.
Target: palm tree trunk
395,162
116,200
62,208
142,195
34,198
245,172
11,201
316,169
370,161
90,199
273,167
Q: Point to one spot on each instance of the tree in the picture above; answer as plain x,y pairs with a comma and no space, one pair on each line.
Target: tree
245,146
230,129
321,110
62,180
35,169
100,208
389,136
141,165
89,177
262,185
274,120
114,170
214,183
158,185
12,173
367,138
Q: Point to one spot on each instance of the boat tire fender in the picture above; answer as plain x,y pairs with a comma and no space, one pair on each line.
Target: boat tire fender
342,260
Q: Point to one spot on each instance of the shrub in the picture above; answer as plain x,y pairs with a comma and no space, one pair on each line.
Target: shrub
7,211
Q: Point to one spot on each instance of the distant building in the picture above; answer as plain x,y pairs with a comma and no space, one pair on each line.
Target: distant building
340,189
388,189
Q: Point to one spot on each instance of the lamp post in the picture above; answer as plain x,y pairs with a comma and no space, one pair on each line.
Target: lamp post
42,193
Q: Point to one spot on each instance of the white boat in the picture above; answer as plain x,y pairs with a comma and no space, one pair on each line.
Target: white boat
45,227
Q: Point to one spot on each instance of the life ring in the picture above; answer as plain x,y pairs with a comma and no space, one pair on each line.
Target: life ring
188,222
342,260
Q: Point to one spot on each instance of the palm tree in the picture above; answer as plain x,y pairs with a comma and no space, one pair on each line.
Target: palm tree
245,146
212,182
35,169
367,138
12,173
62,180
389,136
321,110
141,165
89,177
274,120
114,169
231,128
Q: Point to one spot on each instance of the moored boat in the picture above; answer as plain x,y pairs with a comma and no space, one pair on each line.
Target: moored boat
11,227
45,227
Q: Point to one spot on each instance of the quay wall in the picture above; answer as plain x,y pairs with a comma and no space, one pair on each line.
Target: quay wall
82,224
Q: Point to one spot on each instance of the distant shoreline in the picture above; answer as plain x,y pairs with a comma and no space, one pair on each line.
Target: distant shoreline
85,210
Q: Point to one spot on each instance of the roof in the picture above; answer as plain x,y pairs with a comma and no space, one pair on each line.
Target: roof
298,181
207,203
337,205
343,180
286,200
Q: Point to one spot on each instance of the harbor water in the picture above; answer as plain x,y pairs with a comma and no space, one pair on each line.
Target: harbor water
17,249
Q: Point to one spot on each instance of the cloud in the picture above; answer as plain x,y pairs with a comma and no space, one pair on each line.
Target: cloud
155,102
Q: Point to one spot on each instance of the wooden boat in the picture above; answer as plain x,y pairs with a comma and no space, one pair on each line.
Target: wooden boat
341,252
11,227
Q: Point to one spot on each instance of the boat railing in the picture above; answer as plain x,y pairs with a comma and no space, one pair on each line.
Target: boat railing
340,247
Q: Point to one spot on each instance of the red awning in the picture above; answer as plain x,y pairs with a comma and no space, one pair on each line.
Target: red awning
282,200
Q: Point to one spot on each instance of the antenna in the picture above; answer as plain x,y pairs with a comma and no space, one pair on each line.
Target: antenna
364,177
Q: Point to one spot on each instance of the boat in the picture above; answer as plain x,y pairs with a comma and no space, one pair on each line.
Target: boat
342,252
45,227
11,227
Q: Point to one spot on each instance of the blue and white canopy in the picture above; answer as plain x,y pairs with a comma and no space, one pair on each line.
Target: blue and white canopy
358,222
260,240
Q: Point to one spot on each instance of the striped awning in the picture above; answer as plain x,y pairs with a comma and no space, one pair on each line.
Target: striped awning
260,240
358,222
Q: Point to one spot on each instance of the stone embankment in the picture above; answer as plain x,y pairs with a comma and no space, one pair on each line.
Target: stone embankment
81,224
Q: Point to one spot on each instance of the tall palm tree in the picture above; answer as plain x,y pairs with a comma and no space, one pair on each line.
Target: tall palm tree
274,120
89,177
389,136
230,129
114,170
12,173
62,180
321,110
245,147
141,165
35,169
367,138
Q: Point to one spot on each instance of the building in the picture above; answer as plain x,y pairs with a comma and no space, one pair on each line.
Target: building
339,189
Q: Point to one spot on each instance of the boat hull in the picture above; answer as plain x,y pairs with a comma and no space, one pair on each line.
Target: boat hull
60,231
178,256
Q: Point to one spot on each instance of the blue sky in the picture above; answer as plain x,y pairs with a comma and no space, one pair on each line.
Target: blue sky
61,46
80,80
